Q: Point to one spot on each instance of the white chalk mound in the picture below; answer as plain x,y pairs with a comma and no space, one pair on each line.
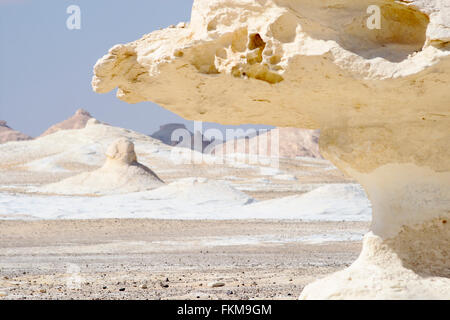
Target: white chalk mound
73,151
200,191
334,202
120,174
189,198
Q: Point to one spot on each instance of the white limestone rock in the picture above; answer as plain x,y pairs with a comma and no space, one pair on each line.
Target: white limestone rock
121,173
379,96
320,55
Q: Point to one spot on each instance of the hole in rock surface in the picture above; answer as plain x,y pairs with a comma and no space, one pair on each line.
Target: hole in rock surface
402,31
256,42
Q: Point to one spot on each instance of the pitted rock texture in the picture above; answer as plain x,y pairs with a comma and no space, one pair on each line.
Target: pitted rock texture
306,64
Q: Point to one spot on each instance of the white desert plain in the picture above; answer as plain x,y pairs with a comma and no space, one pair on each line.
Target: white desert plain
110,209
347,198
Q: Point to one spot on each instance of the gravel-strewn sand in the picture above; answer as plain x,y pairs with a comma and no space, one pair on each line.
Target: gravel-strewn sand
158,259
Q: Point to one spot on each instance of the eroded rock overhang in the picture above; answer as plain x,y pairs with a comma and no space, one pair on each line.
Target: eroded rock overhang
291,63
380,96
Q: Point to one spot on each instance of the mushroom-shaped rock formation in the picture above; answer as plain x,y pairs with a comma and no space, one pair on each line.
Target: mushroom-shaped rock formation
77,121
121,173
121,153
7,134
379,95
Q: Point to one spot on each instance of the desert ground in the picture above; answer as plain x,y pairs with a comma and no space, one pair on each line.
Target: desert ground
93,211
168,259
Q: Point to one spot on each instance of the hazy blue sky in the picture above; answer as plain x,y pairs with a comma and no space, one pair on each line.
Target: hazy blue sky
46,69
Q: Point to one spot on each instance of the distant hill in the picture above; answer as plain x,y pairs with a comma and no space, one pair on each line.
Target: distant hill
176,134
77,121
7,134
293,143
